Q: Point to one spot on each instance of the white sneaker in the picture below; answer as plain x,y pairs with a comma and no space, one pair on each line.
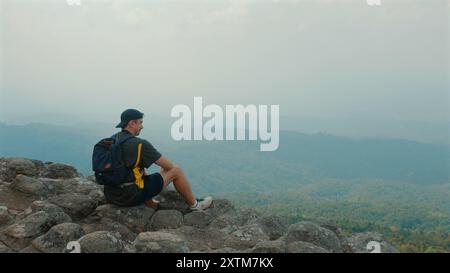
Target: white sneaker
202,204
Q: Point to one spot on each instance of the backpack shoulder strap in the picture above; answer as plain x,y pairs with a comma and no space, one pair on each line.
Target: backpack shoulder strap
125,138
139,181
121,139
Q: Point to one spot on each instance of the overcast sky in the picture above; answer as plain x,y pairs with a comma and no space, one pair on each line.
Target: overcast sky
323,58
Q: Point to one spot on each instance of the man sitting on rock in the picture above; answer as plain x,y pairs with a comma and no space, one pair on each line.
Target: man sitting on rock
138,154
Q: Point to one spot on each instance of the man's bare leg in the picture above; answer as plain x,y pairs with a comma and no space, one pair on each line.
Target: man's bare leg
180,182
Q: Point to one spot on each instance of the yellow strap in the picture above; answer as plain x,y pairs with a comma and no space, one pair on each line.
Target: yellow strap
136,170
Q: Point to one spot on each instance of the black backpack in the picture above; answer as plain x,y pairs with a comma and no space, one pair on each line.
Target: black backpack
107,162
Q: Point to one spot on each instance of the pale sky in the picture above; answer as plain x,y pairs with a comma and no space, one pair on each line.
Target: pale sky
323,58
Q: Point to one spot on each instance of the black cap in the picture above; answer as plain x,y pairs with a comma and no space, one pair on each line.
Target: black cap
127,115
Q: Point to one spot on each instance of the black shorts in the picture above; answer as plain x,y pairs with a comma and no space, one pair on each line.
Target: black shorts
130,195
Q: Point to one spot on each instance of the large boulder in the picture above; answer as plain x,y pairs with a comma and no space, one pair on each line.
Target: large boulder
12,166
231,220
52,210
106,224
201,239
246,237
16,201
101,242
272,225
197,219
172,200
20,234
309,232
159,242
74,185
166,219
58,170
220,207
30,185
59,186
77,205
136,218
56,239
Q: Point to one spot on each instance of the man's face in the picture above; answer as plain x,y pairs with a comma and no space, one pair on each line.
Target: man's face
136,126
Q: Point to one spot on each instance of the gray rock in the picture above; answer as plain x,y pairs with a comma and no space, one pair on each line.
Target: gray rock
15,200
220,207
106,224
29,249
78,206
197,219
27,225
74,185
5,217
55,213
56,239
166,219
12,166
201,239
101,242
273,226
40,167
304,247
58,170
172,200
85,185
159,242
91,178
331,225
20,234
45,206
59,186
135,218
233,219
244,216
367,242
29,185
251,232
97,196
5,249
278,246
222,221
314,234
246,237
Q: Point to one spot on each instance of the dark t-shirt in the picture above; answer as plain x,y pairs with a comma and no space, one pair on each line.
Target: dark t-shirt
131,195
130,152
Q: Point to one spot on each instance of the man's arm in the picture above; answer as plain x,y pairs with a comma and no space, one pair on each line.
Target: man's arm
164,163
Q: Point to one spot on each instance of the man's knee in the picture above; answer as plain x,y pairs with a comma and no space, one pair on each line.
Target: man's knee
170,175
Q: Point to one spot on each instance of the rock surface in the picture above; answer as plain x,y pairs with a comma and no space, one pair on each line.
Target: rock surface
47,207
